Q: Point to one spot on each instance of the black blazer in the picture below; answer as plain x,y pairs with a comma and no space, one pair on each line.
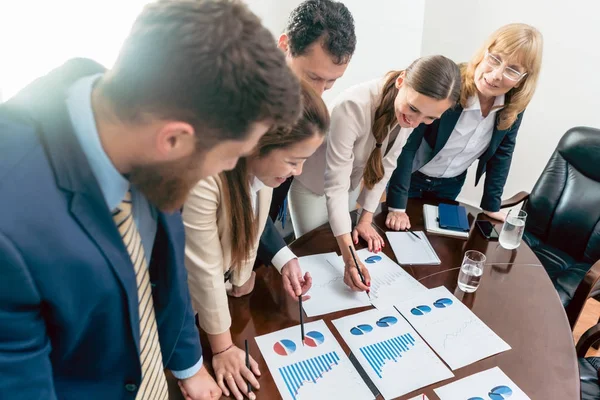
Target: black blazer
418,152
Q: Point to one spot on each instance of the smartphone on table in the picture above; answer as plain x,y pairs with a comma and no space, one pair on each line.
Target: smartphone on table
487,229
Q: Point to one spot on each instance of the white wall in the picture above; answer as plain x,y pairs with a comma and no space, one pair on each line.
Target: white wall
569,85
36,37
388,35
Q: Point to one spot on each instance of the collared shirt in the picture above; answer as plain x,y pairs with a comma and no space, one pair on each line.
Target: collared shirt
469,140
112,184
284,255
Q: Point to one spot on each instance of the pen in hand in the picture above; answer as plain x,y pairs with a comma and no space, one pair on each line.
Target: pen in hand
248,364
301,319
362,278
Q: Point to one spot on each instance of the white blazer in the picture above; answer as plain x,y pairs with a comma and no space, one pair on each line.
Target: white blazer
337,166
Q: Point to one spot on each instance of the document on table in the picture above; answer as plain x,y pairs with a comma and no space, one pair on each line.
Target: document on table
329,293
411,251
490,384
392,354
450,328
317,369
390,283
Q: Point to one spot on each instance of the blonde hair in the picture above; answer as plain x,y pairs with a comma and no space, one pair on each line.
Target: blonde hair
519,42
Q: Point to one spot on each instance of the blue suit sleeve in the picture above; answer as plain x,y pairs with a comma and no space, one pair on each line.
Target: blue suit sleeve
270,243
187,356
497,168
25,365
397,195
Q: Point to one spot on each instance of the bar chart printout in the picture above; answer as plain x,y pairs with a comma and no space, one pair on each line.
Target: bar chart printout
319,369
387,351
396,359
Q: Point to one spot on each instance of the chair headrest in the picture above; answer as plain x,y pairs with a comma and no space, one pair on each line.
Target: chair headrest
580,147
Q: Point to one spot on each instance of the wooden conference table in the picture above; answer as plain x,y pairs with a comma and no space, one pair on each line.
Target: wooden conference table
516,299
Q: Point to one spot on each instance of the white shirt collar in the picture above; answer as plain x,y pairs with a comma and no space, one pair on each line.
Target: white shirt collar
256,185
473,103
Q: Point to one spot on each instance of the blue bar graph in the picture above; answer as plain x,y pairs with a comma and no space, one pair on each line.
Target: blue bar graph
378,354
296,375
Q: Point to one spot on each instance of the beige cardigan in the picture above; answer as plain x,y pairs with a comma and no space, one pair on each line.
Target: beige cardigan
208,251
337,166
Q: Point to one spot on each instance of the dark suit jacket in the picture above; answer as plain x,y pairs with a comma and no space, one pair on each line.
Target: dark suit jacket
495,161
69,324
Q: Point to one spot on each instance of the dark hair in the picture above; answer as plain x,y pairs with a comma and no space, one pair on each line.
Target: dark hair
210,63
437,77
313,121
324,20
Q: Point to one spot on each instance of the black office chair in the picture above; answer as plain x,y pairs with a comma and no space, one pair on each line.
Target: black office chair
589,368
563,218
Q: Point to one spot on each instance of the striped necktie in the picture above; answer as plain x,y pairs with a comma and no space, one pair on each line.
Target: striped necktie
154,383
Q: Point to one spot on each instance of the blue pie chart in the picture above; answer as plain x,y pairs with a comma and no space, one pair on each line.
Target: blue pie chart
386,321
361,330
500,393
420,310
373,259
442,303
314,339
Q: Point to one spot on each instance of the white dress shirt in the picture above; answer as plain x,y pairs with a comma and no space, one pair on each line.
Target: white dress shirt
469,140
284,255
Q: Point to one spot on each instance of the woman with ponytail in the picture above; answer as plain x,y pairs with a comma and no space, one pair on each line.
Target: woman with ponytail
370,123
497,85
224,218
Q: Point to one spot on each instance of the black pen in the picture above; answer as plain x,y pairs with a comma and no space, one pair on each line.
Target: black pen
414,234
301,319
248,364
362,278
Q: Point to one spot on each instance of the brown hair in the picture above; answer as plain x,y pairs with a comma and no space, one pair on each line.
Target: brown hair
210,63
522,43
314,120
434,76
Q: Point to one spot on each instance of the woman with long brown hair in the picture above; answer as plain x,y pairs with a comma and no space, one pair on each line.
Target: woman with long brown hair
497,85
370,123
224,218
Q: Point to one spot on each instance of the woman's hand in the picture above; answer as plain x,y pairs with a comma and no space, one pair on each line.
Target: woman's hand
293,282
246,288
366,231
397,220
232,374
352,278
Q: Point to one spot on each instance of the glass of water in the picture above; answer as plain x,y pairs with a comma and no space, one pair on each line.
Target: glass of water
471,271
512,230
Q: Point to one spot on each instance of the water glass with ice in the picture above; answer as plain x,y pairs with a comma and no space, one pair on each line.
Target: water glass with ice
512,230
471,271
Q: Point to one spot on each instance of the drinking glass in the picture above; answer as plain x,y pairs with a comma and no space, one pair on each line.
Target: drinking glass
471,271
512,230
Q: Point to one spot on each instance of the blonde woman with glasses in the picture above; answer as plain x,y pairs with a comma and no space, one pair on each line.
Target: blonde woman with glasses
497,85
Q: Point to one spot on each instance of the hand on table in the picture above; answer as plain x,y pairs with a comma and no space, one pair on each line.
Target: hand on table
499,215
201,386
397,220
232,374
366,231
246,288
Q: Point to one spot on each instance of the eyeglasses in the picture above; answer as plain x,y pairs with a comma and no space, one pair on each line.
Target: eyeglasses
508,72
